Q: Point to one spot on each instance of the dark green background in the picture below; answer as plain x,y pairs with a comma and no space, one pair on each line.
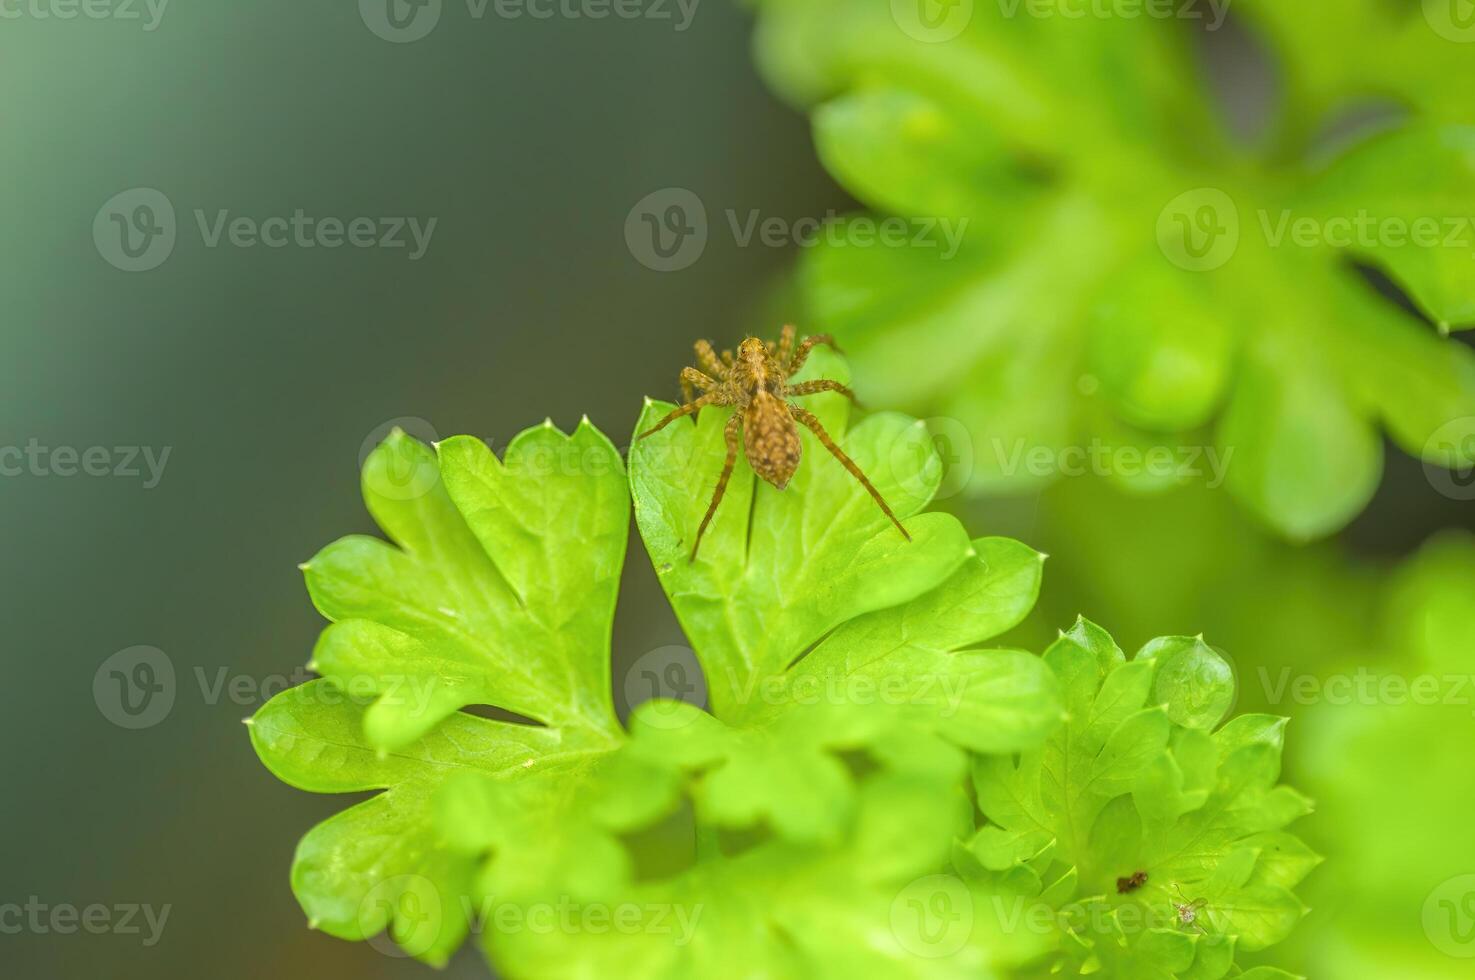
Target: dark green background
265,371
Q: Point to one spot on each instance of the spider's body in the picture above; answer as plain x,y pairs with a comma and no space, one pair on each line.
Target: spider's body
756,384
1187,911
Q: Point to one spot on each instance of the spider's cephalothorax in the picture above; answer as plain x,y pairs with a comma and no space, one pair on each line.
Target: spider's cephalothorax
1187,911
756,383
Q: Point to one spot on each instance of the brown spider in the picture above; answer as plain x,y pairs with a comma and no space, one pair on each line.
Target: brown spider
756,382
1187,911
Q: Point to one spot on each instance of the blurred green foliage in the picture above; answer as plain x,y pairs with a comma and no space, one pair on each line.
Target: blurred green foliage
1132,272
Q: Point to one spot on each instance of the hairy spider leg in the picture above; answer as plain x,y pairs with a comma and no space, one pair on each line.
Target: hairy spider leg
734,426
813,424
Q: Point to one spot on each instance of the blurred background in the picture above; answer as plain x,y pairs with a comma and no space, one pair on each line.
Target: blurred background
192,373
266,373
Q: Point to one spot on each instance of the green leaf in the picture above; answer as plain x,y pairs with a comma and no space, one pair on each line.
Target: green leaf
1137,269
1419,229
352,871
822,632
1303,459
499,590
1191,678
777,569
1133,785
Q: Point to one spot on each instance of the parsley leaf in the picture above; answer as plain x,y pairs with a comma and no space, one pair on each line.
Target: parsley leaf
499,589
1125,271
891,627
1154,834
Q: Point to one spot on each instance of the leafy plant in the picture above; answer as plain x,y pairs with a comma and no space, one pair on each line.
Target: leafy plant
1395,901
1130,274
800,827
1137,821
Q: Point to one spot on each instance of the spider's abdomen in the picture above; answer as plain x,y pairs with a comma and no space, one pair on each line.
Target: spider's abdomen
771,439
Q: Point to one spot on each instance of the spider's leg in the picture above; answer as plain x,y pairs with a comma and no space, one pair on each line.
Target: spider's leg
823,384
813,424
712,398
734,426
786,344
727,359
708,361
805,346
691,378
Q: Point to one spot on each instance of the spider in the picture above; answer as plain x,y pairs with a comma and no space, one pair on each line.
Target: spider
1188,911
756,382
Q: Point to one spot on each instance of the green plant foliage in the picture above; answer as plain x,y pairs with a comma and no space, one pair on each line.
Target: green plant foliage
1143,782
1340,642
1395,899
1128,272
886,628
803,826
498,589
